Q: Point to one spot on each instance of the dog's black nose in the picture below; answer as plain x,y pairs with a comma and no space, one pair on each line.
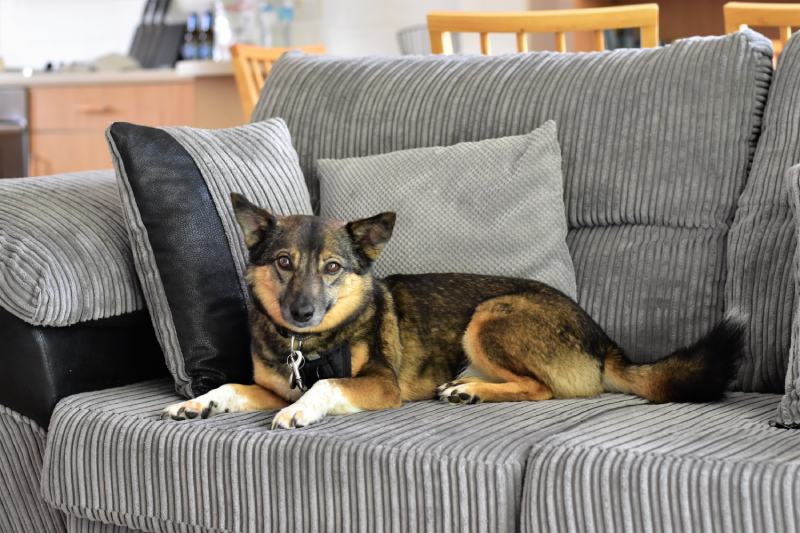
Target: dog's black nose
302,312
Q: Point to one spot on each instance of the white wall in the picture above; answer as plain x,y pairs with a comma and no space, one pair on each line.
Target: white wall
33,32
361,27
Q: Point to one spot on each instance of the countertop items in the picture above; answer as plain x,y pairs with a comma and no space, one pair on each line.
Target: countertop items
184,70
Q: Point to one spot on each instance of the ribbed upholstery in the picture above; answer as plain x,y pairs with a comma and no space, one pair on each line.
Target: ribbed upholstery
656,145
762,240
665,468
64,251
428,466
788,414
83,525
22,508
499,197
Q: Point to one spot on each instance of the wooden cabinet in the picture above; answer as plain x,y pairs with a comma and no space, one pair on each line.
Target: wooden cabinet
68,122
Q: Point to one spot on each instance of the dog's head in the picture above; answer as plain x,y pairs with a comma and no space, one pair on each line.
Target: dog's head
310,274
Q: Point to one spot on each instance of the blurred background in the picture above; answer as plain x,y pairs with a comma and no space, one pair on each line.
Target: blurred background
37,32
68,68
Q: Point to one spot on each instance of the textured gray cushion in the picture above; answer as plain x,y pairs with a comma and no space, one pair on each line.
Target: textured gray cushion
656,146
64,251
663,468
487,207
84,525
788,414
427,466
201,320
22,508
762,239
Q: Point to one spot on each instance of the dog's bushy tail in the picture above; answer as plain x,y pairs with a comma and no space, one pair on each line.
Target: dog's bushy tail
698,373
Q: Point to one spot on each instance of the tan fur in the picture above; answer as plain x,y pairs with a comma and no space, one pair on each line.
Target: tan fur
499,339
349,300
266,290
647,380
370,393
359,353
267,377
413,385
516,391
257,398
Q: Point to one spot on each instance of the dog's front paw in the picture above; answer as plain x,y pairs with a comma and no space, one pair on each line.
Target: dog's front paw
210,403
296,416
196,408
455,392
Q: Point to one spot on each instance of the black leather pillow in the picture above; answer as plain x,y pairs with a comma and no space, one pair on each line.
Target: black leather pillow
175,185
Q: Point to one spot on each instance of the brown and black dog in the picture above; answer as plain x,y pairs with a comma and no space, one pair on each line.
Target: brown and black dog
464,338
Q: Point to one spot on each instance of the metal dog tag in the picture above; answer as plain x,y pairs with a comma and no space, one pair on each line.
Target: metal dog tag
296,360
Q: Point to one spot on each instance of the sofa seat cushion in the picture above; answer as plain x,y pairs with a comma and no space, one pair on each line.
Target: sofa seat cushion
427,466
670,467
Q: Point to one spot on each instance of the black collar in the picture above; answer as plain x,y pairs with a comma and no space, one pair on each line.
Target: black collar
286,333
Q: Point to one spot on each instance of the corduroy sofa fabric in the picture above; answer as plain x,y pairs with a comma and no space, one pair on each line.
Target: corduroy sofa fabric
488,207
761,243
656,145
64,251
175,185
76,524
22,445
427,466
788,414
663,468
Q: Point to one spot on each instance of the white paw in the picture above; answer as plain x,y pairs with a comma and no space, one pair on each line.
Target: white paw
297,416
210,403
455,392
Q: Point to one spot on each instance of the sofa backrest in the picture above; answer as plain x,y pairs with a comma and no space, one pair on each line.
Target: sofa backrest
762,240
656,146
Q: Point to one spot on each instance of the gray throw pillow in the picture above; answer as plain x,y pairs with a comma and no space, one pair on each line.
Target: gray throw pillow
175,185
489,207
788,414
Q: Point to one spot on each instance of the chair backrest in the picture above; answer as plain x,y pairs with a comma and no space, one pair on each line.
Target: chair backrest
558,21
251,65
415,40
745,14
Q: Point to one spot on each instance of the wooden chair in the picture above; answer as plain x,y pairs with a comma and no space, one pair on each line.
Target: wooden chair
744,14
251,65
558,21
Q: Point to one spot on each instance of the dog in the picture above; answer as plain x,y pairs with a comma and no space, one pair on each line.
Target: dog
464,338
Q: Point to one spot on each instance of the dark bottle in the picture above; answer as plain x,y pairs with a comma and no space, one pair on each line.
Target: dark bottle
189,48
205,37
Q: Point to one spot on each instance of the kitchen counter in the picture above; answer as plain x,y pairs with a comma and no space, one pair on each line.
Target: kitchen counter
184,70
68,112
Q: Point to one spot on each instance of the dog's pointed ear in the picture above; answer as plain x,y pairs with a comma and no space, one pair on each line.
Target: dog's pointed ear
370,235
254,221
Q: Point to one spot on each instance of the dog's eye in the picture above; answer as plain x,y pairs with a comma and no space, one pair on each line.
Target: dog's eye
332,268
284,262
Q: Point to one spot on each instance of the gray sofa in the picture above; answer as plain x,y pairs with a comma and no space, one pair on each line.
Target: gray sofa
674,163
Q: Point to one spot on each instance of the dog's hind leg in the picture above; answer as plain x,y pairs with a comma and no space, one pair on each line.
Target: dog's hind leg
523,348
474,391
230,398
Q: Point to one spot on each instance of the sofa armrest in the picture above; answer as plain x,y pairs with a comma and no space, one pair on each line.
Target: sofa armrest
41,365
72,315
